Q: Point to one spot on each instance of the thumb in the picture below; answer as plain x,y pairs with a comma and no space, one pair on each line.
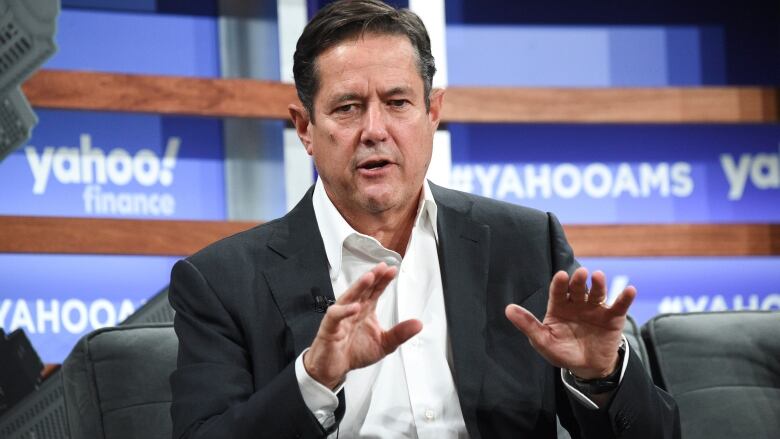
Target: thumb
527,324
399,334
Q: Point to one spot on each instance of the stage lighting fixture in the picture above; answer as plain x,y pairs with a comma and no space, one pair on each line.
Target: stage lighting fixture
27,30
17,120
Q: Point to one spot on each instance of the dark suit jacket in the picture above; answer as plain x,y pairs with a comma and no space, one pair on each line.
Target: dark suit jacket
245,311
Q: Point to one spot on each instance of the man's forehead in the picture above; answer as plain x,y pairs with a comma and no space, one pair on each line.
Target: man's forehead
372,63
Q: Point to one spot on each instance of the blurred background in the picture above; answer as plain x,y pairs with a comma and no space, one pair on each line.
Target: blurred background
651,131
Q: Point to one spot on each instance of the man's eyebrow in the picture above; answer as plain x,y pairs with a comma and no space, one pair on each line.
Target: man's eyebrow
337,99
400,90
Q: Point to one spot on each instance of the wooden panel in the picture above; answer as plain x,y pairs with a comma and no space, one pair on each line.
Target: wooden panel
648,105
19,234
112,236
676,240
263,99
159,94
49,369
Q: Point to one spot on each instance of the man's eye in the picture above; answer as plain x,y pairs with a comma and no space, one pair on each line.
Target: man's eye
398,103
345,108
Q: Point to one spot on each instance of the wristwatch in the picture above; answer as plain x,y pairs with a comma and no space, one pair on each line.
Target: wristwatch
596,386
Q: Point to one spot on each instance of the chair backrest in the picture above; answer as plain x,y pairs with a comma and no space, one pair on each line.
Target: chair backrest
722,368
41,415
116,383
156,310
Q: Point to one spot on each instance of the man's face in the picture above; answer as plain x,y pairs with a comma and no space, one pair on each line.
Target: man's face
372,137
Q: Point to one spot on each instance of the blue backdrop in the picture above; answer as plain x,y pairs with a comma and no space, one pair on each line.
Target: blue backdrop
148,166
625,173
58,298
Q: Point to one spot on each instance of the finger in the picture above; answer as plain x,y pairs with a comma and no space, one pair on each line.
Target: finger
399,334
336,314
598,288
578,286
380,268
363,285
528,324
383,280
357,289
559,289
623,301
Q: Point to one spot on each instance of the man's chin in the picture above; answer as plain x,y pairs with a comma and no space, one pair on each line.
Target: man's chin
378,201
377,204
384,197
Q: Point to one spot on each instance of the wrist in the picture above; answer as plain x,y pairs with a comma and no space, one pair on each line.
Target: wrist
584,374
316,375
601,383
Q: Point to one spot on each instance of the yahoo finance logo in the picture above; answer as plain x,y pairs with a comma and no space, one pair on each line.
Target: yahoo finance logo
103,174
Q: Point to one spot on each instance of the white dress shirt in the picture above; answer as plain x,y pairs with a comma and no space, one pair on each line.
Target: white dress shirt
411,392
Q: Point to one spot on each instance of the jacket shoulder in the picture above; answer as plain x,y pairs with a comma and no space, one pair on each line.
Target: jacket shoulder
245,246
255,246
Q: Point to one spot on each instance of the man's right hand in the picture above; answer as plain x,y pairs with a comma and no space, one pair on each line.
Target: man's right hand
350,336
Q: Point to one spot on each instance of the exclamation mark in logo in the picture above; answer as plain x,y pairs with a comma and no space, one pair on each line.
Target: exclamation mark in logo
169,161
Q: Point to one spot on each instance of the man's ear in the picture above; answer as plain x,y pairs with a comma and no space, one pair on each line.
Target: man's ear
300,118
434,113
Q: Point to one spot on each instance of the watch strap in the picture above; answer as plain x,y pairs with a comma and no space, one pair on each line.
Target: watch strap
606,384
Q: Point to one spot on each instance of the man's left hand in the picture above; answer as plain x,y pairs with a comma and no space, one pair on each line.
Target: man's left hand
580,332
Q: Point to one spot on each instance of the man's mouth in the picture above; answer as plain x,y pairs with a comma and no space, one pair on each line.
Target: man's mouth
374,164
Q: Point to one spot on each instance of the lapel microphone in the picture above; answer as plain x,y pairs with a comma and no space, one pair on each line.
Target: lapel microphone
321,303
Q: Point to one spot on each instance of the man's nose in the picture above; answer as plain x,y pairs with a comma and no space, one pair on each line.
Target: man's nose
374,125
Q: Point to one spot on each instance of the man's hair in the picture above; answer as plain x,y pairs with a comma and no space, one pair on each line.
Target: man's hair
346,19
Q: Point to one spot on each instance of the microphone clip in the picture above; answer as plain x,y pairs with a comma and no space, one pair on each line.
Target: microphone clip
321,303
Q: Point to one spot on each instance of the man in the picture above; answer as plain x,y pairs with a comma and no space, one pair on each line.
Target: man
422,340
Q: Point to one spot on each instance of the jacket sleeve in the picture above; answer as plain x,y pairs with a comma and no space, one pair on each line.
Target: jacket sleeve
638,408
213,387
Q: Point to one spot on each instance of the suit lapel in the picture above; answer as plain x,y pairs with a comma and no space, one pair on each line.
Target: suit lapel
301,274
463,256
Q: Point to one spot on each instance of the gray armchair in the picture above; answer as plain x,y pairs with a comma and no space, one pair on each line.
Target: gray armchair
42,414
723,369
116,383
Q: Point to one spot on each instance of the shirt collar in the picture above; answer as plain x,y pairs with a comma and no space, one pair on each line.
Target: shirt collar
334,229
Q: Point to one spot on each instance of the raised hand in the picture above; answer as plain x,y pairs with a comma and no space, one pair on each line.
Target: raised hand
350,336
580,332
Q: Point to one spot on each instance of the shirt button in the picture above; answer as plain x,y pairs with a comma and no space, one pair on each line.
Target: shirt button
416,343
430,415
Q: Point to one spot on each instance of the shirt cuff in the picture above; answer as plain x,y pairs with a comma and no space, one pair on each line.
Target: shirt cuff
581,397
321,401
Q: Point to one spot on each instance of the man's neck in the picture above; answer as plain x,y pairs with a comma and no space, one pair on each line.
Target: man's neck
392,228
